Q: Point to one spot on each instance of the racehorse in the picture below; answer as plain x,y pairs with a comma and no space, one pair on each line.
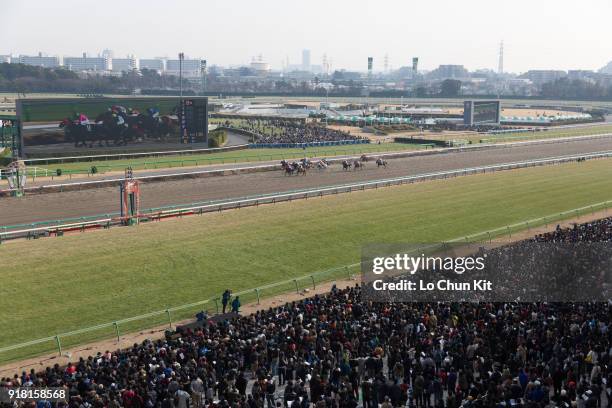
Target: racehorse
76,132
364,158
154,127
293,167
322,164
287,168
306,163
358,165
346,165
167,125
381,162
110,130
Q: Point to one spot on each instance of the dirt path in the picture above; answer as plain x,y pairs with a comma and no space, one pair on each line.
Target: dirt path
54,206
127,340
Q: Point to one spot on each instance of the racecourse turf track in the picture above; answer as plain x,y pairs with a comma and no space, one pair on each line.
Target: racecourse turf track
236,156
85,279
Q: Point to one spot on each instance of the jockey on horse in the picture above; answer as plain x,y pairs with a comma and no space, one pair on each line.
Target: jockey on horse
381,162
81,119
153,112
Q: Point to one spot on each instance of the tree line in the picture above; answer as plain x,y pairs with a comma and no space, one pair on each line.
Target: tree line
20,78
565,88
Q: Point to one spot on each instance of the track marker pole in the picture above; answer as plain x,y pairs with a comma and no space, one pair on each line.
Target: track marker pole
59,344
116,330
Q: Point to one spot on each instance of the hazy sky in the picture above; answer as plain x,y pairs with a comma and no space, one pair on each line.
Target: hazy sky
559,34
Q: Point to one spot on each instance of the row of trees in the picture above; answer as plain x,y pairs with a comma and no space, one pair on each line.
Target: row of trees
22,78
566,88
26,78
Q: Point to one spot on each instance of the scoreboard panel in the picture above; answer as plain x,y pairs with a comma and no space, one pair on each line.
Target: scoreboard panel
195,120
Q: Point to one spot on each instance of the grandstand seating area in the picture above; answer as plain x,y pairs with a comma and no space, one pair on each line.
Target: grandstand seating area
339,351
280,131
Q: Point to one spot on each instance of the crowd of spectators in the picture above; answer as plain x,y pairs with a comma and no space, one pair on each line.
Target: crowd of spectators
594,231
280,131
337,350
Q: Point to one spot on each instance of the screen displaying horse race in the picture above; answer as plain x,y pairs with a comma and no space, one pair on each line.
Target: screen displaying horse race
486,112
77,126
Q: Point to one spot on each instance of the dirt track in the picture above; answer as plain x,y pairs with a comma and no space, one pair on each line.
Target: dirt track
106,200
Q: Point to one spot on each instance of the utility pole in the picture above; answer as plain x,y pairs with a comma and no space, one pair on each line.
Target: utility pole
182,106
500,68
203,74
181,58
500,65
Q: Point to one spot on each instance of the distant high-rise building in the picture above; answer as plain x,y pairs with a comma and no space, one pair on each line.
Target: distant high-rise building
386,64
449,72
540,76
370,66
607,69
415,65
39,60
260,66
108,54
582,74
326,68
156,64
306,60
123,64
85,63
5,58
191,67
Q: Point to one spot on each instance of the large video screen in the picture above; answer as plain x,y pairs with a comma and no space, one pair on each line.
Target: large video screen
486,112
89,126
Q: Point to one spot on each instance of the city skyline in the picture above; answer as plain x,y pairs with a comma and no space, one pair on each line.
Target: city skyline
467,34
285,66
